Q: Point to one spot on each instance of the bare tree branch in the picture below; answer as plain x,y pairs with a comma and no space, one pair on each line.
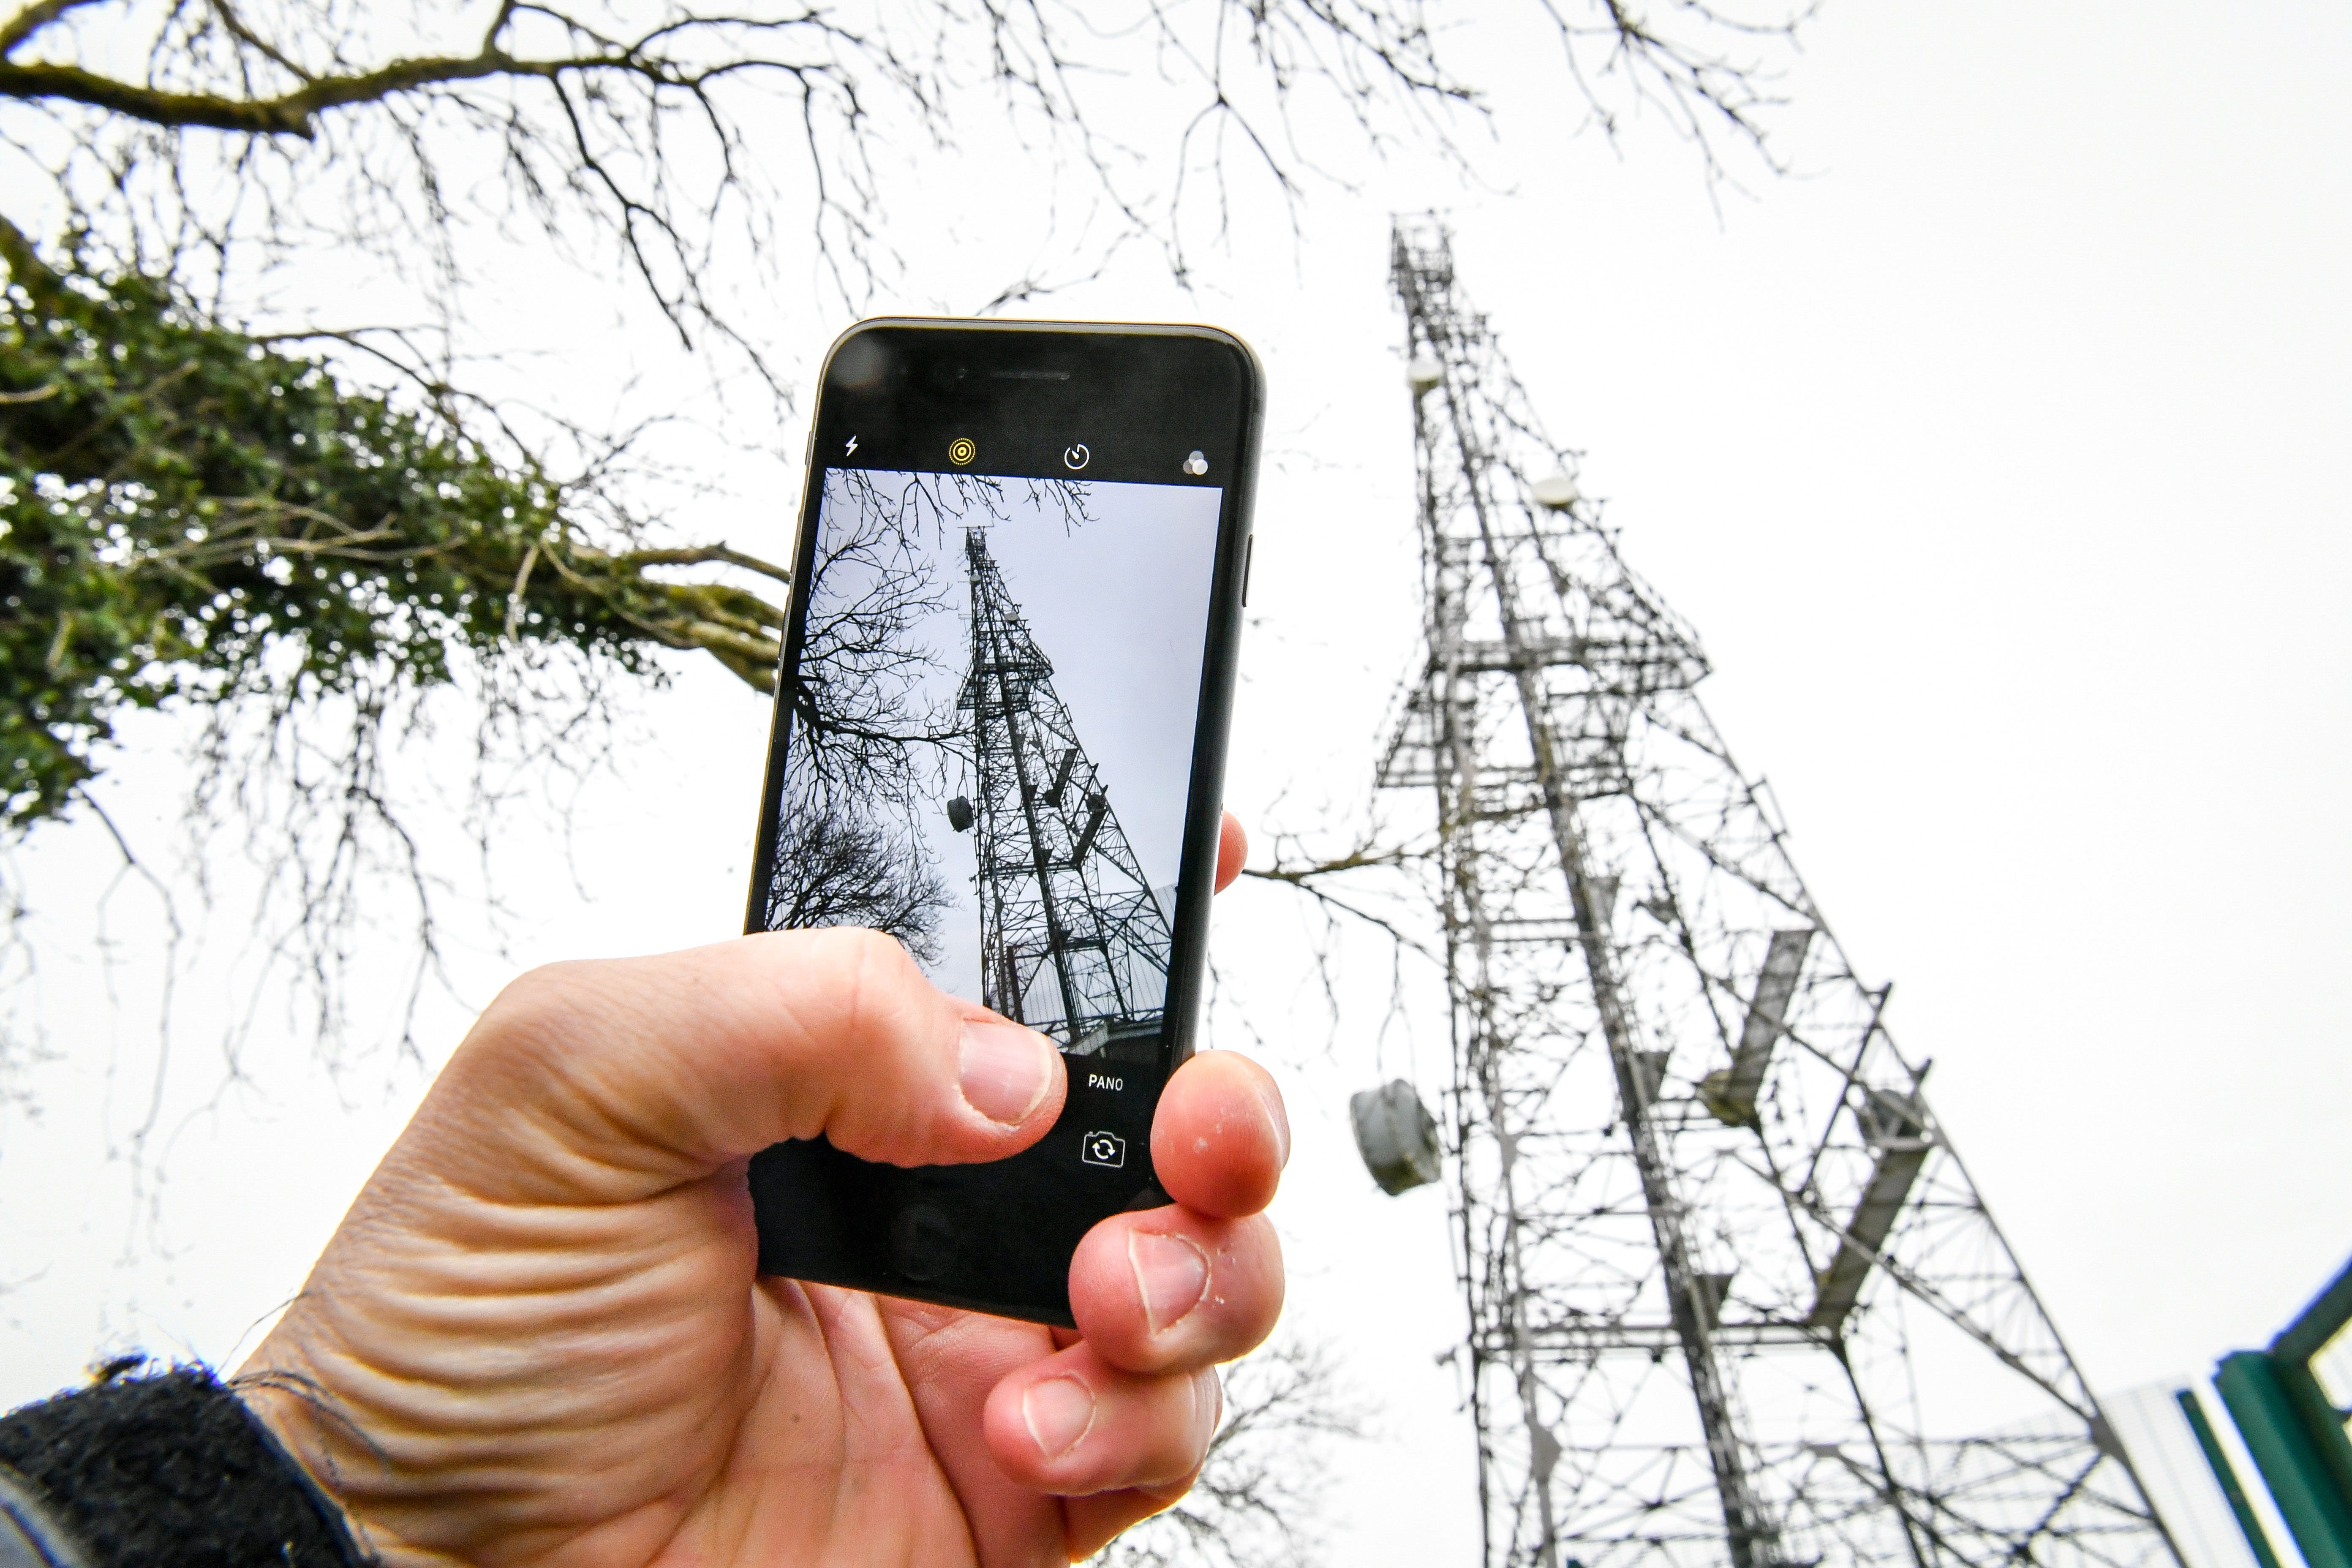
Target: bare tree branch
31,20
1257,1501
1312,877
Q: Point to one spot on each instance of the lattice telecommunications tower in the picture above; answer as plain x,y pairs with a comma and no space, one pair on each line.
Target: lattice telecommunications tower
1074,940
1732,1296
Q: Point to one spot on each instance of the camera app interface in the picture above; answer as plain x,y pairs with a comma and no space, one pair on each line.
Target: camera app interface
990,741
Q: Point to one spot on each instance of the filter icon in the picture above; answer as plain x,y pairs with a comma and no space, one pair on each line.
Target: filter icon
1196,465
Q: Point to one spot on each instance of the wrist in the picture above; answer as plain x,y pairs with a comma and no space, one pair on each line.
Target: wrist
323,1438
326,1437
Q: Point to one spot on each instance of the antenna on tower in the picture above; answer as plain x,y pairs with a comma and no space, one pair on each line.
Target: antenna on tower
1732,1296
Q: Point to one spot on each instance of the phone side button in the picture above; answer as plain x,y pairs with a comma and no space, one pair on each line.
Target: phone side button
1249,559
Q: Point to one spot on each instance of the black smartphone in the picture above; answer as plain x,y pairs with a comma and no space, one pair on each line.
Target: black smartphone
1000,737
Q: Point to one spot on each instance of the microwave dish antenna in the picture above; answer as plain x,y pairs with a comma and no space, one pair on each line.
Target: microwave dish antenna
1556,491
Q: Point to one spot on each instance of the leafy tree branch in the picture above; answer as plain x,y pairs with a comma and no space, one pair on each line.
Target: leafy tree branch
191,515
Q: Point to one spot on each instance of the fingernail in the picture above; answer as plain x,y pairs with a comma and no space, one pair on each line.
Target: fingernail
1281,1120
1059,1412
1007,1070
1171,1275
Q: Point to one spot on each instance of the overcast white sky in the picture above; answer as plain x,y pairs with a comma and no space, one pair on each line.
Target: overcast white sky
1998,455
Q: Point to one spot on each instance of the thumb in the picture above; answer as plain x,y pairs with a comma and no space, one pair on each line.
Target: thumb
613,1080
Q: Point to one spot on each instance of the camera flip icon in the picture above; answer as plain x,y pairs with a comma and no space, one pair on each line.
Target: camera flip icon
1103,1149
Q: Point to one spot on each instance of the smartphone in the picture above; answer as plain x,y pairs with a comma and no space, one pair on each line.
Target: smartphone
1000,737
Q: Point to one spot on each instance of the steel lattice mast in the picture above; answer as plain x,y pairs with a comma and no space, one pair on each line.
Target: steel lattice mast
1074,941
1732,1296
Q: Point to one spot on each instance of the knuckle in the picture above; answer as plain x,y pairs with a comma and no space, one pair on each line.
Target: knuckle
867,1027
872,949
532,992
534,1006
1209,1401
874,970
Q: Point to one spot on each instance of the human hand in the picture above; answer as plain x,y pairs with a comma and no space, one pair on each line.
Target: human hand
538,1335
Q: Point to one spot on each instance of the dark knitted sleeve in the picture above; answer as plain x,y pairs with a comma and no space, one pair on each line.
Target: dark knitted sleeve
169,1470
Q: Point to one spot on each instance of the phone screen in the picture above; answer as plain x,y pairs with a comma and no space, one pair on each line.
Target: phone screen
989,750
999,738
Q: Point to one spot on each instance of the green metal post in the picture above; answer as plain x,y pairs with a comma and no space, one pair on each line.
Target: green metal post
2301,1480
2249,1522
2292,1354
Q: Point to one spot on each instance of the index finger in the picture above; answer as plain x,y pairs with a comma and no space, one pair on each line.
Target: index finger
1233,849
1220,1138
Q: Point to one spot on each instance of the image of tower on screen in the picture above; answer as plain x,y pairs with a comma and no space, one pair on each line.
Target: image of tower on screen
991,721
